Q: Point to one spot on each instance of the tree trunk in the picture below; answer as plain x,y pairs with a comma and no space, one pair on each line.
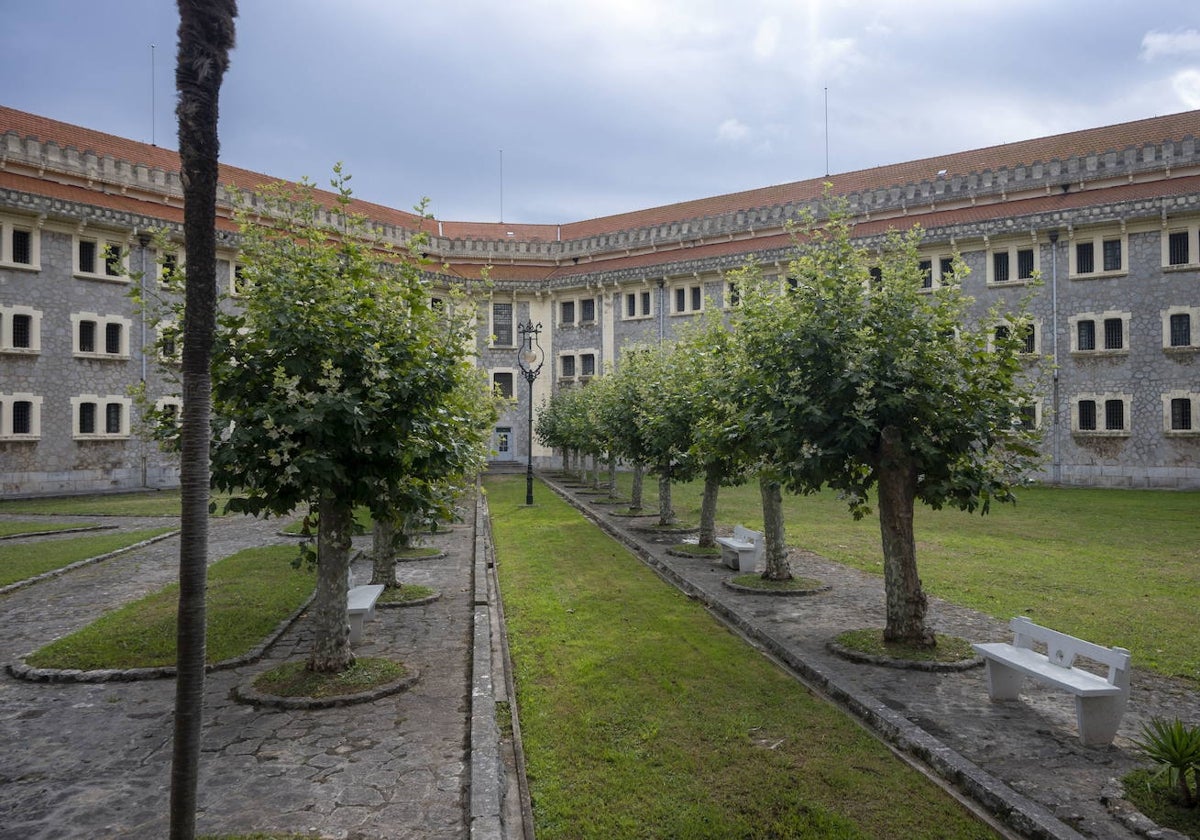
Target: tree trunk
906,602
775,543
206,34
635,493
612,477
666,516
383,553
331,642
708,505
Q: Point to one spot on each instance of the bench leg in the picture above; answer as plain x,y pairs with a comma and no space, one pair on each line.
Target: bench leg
1003,683
356,627
730,558
1098,718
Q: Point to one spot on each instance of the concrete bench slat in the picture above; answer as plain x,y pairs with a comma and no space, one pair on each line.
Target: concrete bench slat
1073,680
360,607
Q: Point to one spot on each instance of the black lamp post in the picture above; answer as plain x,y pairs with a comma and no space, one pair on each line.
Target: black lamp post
530,361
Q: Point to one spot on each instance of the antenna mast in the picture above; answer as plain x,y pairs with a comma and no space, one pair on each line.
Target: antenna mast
152,101
826,132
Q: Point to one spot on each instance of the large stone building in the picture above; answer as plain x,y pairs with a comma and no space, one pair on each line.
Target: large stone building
1109,217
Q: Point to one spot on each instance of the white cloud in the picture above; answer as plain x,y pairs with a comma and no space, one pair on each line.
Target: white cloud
766,39
1156,44
733,130
1186,84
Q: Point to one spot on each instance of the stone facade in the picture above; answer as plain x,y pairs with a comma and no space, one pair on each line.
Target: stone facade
1116,378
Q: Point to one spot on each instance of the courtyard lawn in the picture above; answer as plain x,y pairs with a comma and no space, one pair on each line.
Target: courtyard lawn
142,503
249,593
1116,567
19,561
642,716
15,528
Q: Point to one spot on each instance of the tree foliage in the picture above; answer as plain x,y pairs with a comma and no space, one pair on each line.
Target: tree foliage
337,383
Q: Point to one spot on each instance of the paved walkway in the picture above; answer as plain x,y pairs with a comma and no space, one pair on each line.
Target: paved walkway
84,760
1022,757
87,760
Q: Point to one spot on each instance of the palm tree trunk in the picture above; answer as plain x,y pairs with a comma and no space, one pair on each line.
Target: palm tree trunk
906,601
708,505
775,549
206,34
331,643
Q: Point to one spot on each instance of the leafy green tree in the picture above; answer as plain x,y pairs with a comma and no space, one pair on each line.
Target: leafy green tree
206,35
331,382
867,382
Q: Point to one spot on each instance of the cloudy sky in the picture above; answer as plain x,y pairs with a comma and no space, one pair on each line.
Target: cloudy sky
563,110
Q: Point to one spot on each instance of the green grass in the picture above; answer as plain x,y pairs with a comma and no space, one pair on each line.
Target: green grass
293,679
870,641
19,561
405,593
17,528
1115,567
642,716
756,581
1159,800
249,593
142,503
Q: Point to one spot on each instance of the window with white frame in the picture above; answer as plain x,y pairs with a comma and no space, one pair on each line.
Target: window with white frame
170,264
587,364
97,417
1098,255
587,310
733,295
237,279
1180,247
170,342
687,298
566,313
101,258
1101,414
1012,264
20,417
170,408
1104,332
1028,416
502,383
566,366
1179,325
1179,412
100,336
638,304
20,329
1029,333
502,325
20,244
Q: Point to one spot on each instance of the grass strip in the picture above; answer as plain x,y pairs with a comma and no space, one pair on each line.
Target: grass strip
249,593
642,716
19,561
142,503
1115,567
16,528
293,679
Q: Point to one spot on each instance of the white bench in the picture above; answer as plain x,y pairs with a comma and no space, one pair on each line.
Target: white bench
743,551
360,606
1099,701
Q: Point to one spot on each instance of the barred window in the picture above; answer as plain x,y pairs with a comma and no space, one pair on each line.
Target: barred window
587,309
567,312
1114,334
87,336
1085,258
112,338
1114,415
1000,267
1029,339
22,247
587,364
503,384
631,305
1025,264
22,417
681,300
926,267
112,261
697,298
1181,330
1177,248
87,418
1027,417
568,366
1086,335
87,256
946,267
502,324
22,331
645,303
112,418
1112,255
1087,415
1181,414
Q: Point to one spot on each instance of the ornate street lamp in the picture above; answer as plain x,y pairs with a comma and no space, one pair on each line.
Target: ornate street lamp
530,361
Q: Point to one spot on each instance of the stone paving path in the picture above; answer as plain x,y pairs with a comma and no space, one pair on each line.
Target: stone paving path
93,760
1030,746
